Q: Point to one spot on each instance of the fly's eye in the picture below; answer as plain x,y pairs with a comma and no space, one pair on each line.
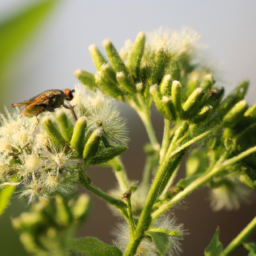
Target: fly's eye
69,94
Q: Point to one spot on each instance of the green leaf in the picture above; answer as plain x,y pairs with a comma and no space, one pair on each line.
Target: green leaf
5,196
185,182
215,247
197,162
251,247
160,238
93,247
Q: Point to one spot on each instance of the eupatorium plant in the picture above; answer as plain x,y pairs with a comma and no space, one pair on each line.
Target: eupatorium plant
45,162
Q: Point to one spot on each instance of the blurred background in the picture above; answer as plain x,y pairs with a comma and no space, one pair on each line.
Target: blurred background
43,42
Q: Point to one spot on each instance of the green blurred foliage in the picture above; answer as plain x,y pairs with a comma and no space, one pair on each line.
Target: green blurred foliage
16,32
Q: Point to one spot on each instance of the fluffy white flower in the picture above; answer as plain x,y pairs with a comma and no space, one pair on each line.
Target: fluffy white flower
228,195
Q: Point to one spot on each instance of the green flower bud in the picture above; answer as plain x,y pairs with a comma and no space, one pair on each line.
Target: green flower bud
177,96
157,68
157,98
106,154
66,127
193,102
92,145
214,97
86,78
202,114
140,87
193,82
169,108
125,83
207,82
135,55
109,75
97,57
166,86
229,144
77,141
53,133
235,114
106,86
236,95
143,72
175,70
63,214
81,208
251,111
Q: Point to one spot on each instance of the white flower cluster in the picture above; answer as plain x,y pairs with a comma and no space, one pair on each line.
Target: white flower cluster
31,161
147,246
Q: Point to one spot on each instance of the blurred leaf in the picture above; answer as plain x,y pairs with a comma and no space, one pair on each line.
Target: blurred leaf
93,247
5,196
161,241
215,247
187,181
16,30
251,247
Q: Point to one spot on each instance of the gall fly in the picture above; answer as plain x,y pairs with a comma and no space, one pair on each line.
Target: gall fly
46,101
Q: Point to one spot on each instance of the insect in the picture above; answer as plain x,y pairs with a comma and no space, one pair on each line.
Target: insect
46,101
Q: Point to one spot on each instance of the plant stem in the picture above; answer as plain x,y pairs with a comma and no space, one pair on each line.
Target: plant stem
146,172
166,139
200,181
86,182
120,173
242,236
145,117
168,165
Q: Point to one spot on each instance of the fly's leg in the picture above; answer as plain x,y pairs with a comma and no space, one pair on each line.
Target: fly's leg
72,109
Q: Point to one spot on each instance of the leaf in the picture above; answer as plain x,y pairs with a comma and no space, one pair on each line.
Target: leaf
215,247
93,247
185,182
160,238
251,247
5,195
197,162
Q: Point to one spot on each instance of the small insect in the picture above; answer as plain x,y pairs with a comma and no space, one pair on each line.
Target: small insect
46,101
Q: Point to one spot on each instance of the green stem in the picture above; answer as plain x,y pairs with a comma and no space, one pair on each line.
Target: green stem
131,218
166,139
200,181
86,182
242,236
145,117
120,173
145,218
147,172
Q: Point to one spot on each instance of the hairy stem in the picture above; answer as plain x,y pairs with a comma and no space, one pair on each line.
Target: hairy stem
166,139
242,236
200,181
120,173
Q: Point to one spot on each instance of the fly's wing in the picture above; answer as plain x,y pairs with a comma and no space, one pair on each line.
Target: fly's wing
46,96
32,110
27,102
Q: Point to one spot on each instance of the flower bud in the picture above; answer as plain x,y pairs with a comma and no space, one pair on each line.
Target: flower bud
166,86
125,83
77,141
97,57
135,55
175,70
157,98
63,214
66,127
53,133
214,97
106,154
207,82
235,114
251,111
106,86
193,102
177,96
202,114
169,108
92,145
86,79
81,208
